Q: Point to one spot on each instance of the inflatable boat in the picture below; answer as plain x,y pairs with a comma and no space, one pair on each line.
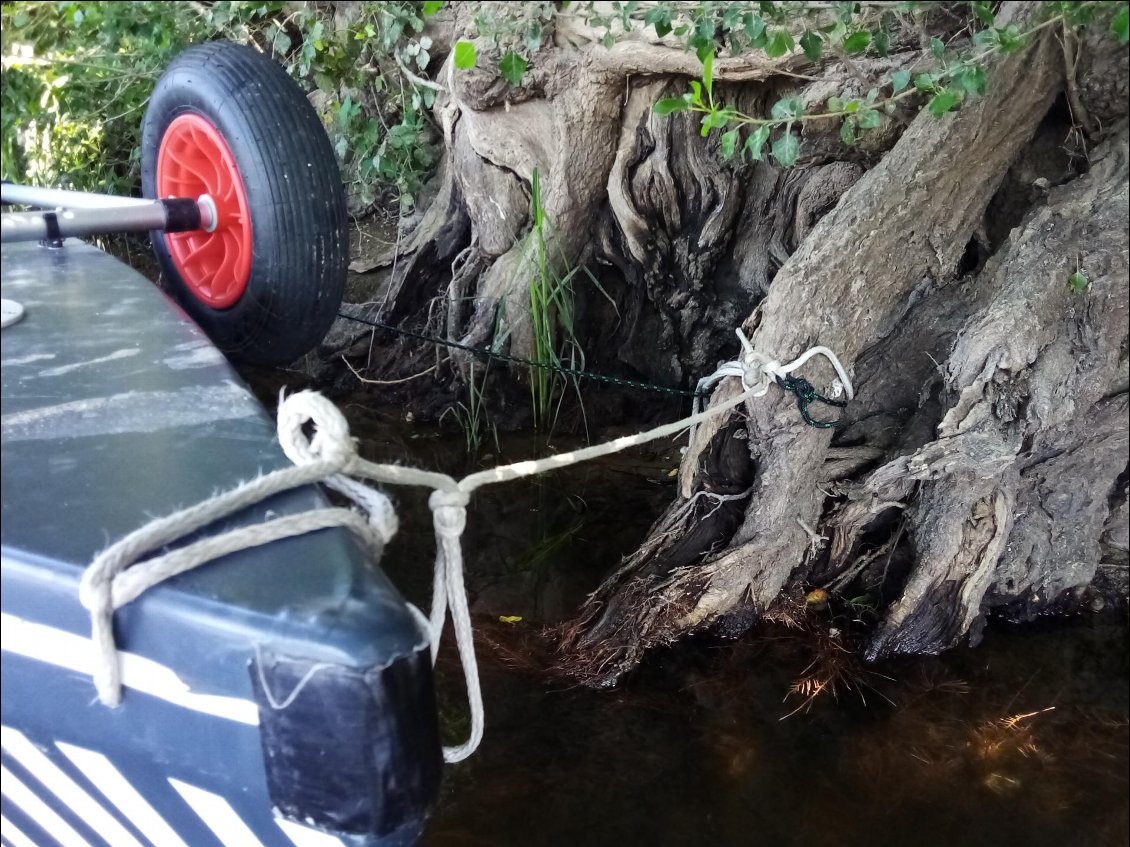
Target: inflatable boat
281,695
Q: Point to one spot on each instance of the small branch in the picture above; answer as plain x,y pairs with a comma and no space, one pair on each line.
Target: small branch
1079,112
419,80
386,381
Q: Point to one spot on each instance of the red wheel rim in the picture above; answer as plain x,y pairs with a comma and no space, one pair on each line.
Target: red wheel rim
195,160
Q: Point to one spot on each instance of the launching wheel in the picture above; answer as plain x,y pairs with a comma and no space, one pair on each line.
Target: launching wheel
227,127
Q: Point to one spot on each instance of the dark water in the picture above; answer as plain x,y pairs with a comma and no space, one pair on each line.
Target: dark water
1021,741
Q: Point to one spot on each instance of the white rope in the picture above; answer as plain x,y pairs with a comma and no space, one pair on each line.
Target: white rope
118,575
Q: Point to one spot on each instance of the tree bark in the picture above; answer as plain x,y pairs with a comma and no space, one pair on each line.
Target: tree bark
894,237
982,463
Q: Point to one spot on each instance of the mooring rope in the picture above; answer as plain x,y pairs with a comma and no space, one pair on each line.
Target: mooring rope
119,575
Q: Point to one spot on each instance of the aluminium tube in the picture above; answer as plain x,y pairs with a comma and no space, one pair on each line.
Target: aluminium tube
178,215
56,198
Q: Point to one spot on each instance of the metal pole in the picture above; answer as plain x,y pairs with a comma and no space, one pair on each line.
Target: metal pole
168,215
56,198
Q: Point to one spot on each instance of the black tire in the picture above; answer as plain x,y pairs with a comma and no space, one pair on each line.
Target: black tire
294,191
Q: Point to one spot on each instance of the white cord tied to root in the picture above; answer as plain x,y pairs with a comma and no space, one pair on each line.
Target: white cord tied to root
759,371
120,574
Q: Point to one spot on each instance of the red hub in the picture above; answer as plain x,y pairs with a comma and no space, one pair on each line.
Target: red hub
195,160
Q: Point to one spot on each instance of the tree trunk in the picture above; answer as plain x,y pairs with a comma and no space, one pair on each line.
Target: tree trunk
983,462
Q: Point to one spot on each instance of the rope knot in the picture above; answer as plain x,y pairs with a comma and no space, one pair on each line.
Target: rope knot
331,442
449,511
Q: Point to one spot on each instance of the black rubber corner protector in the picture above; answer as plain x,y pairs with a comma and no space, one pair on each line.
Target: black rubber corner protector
349,750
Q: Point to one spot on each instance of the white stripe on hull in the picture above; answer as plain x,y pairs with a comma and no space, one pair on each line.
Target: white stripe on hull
218,815
118,790
73,652
70,794
13,835
303,836
39,811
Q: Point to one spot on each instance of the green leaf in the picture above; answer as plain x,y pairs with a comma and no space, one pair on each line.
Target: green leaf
882,42
1010,38
755,143
985,37
708,75
786,149
812,45
857,42
1120,25
835,104
696,92
900,80
869,119
662,27
787,109
533,37
431,7
983,12
780,43
1078,282
754,26
715,120
937,47
971,80
847,131
464,54
513,68
925,82
729,144
943,102
670,104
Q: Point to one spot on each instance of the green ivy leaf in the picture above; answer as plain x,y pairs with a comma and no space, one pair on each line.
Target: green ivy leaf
708,75
464,54
431,7
787,109
869,119
835,104
533,37
729,144
900,80
1120,25
943,101
1078,282
971,80
812,45
513,68
756,142
847,131
1010,38
882,42
985,37
670,104
924,82
780,43
857,42
938,48
754,26
983,12
786,149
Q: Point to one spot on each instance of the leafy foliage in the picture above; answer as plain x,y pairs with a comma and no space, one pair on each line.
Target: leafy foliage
77,76
848,29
